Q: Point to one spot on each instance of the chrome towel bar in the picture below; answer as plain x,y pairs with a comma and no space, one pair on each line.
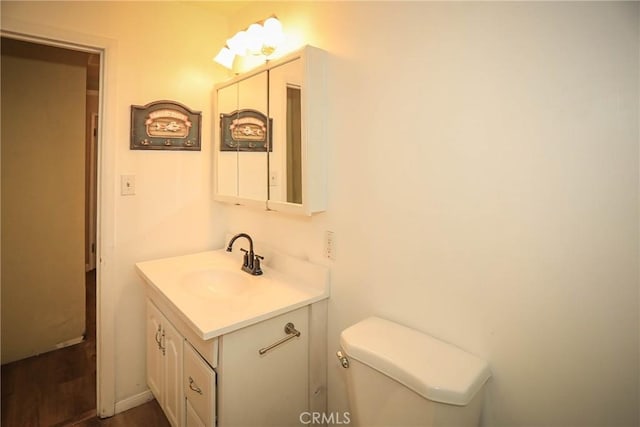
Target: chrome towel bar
290,330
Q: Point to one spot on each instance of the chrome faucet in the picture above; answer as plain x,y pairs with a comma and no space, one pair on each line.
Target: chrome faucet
251,262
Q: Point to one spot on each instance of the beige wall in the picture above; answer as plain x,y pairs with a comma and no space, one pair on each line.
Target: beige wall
483,183
43,107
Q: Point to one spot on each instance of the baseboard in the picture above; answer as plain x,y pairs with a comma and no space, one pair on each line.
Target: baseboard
70,342
133,401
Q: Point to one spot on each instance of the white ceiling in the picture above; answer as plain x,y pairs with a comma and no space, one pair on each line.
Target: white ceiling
227,8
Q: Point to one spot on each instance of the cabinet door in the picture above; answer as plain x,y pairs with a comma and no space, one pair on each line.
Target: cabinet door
154,353
173,401
297,103
199,386
226,161
252,165
193,420
285,109
274,385
240,158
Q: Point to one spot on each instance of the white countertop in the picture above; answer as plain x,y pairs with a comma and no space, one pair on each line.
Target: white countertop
180,283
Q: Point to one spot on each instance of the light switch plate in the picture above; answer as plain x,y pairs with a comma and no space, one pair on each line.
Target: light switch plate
127,185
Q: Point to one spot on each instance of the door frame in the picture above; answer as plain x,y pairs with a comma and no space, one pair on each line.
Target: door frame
105,270
93,188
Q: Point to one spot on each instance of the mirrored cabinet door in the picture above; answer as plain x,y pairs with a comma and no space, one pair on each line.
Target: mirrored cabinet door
298,163
226,167
251,125
242,139
285,160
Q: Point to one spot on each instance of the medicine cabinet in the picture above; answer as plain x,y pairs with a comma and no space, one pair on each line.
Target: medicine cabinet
270,146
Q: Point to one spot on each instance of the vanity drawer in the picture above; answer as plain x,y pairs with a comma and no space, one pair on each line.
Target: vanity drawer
207,349
199,386
193,420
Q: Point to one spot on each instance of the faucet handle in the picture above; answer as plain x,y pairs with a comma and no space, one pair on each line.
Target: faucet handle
256,265
245,261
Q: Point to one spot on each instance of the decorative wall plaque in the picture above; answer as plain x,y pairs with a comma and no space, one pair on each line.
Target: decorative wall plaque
165,125
245,130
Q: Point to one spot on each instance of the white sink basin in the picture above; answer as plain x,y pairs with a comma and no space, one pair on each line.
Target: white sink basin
213,296
213,283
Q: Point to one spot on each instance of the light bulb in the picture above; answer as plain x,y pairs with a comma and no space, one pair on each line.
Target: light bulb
238,43
254,38
273,35
225,57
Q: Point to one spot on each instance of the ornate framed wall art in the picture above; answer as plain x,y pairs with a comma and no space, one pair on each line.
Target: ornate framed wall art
165,125
245,130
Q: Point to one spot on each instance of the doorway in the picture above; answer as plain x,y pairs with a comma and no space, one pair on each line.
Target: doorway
49,162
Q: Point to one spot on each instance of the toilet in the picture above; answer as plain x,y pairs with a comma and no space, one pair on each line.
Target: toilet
397,376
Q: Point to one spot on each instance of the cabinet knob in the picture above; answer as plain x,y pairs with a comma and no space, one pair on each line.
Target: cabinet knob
193,386
158,332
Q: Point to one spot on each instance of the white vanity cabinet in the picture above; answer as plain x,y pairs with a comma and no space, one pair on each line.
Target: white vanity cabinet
277,383
164,364
229,349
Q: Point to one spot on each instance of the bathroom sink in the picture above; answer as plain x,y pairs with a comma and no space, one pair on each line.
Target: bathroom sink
210,294
214,283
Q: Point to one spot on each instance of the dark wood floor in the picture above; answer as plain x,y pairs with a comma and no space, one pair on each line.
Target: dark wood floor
148,415
59,388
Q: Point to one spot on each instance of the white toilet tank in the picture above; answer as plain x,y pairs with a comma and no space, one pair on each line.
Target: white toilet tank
398,376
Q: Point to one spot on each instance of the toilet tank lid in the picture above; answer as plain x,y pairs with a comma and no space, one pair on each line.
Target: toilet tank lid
432,368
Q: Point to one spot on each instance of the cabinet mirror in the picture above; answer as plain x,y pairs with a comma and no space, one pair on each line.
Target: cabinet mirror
270,147
242,138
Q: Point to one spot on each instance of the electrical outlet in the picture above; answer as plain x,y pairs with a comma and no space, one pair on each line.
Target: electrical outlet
330,245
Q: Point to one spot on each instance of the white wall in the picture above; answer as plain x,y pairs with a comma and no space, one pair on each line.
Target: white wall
484,189
483,183
163,50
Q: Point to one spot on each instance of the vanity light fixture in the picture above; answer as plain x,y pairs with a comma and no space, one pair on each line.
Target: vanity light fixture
260,38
